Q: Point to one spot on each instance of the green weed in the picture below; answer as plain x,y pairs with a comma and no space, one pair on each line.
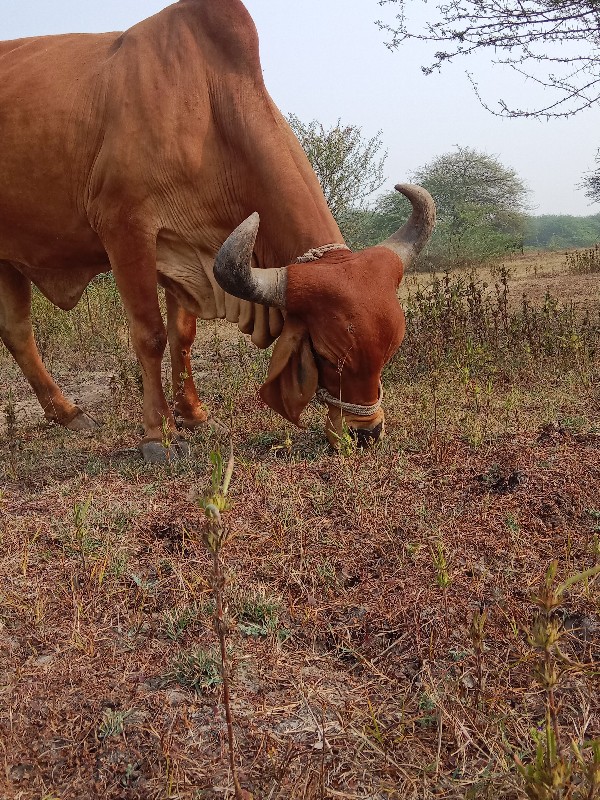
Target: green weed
177,622
558,771
257,614
198,670
113,723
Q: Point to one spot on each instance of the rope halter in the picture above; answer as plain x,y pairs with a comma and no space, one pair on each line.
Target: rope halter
324,397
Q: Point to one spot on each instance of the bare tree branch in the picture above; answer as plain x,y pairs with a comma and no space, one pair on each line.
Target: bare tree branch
519,31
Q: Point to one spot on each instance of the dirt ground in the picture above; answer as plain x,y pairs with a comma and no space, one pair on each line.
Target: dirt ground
355,585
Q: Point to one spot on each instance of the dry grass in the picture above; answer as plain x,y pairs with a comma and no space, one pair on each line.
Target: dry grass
357,584
534,274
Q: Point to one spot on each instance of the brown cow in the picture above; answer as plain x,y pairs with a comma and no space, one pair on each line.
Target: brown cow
140,152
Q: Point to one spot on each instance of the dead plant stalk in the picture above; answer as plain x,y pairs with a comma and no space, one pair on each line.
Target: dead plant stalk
215,538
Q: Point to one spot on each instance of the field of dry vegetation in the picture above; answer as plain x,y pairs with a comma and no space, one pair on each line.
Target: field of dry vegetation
417,621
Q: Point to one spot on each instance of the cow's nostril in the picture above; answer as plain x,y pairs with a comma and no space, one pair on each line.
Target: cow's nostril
365,437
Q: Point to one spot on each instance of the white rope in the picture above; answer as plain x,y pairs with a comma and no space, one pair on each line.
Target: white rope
316,252
351,408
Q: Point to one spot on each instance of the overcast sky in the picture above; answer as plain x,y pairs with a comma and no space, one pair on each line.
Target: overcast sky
326,59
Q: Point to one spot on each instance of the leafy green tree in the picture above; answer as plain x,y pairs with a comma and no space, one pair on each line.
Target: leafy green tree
480,208
349,168
521,34
468,177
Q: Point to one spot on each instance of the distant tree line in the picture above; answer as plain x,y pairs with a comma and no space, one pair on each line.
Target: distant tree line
558,232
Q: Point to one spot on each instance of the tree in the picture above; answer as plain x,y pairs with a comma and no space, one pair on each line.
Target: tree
591,182
480,208
349,168
524,32
470,177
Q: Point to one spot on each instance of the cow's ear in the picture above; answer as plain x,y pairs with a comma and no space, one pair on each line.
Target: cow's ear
292,378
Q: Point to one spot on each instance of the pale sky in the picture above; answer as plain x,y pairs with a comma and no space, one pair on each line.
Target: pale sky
326,59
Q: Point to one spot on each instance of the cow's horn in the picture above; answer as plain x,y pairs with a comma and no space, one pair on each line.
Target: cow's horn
235,274
412,237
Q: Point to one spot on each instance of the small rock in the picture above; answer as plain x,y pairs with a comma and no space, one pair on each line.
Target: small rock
192,494
136,717
44,660
175,698
468,681
581,626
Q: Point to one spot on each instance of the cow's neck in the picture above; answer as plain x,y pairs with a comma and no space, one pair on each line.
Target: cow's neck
280,184
247,158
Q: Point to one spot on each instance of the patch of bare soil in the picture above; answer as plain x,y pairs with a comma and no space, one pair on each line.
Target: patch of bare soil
89,389
581,290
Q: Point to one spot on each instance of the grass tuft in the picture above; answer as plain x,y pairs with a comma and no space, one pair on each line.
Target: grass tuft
198,670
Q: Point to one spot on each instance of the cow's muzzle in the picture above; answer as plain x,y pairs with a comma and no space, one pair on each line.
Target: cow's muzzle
363,431
365,437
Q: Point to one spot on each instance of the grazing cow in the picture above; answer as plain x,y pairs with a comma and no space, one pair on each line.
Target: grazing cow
140,152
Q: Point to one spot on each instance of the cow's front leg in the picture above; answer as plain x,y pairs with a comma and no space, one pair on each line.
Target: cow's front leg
136,280
181,330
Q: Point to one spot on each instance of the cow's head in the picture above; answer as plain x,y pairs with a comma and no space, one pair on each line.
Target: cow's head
343,321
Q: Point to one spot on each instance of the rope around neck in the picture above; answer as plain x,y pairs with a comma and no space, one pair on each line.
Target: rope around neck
315,253
351,408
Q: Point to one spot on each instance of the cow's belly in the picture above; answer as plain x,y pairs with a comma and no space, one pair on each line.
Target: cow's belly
61,267
62,287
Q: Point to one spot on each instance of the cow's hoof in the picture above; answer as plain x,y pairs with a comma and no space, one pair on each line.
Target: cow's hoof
190,418
155,452
189,424
82,422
